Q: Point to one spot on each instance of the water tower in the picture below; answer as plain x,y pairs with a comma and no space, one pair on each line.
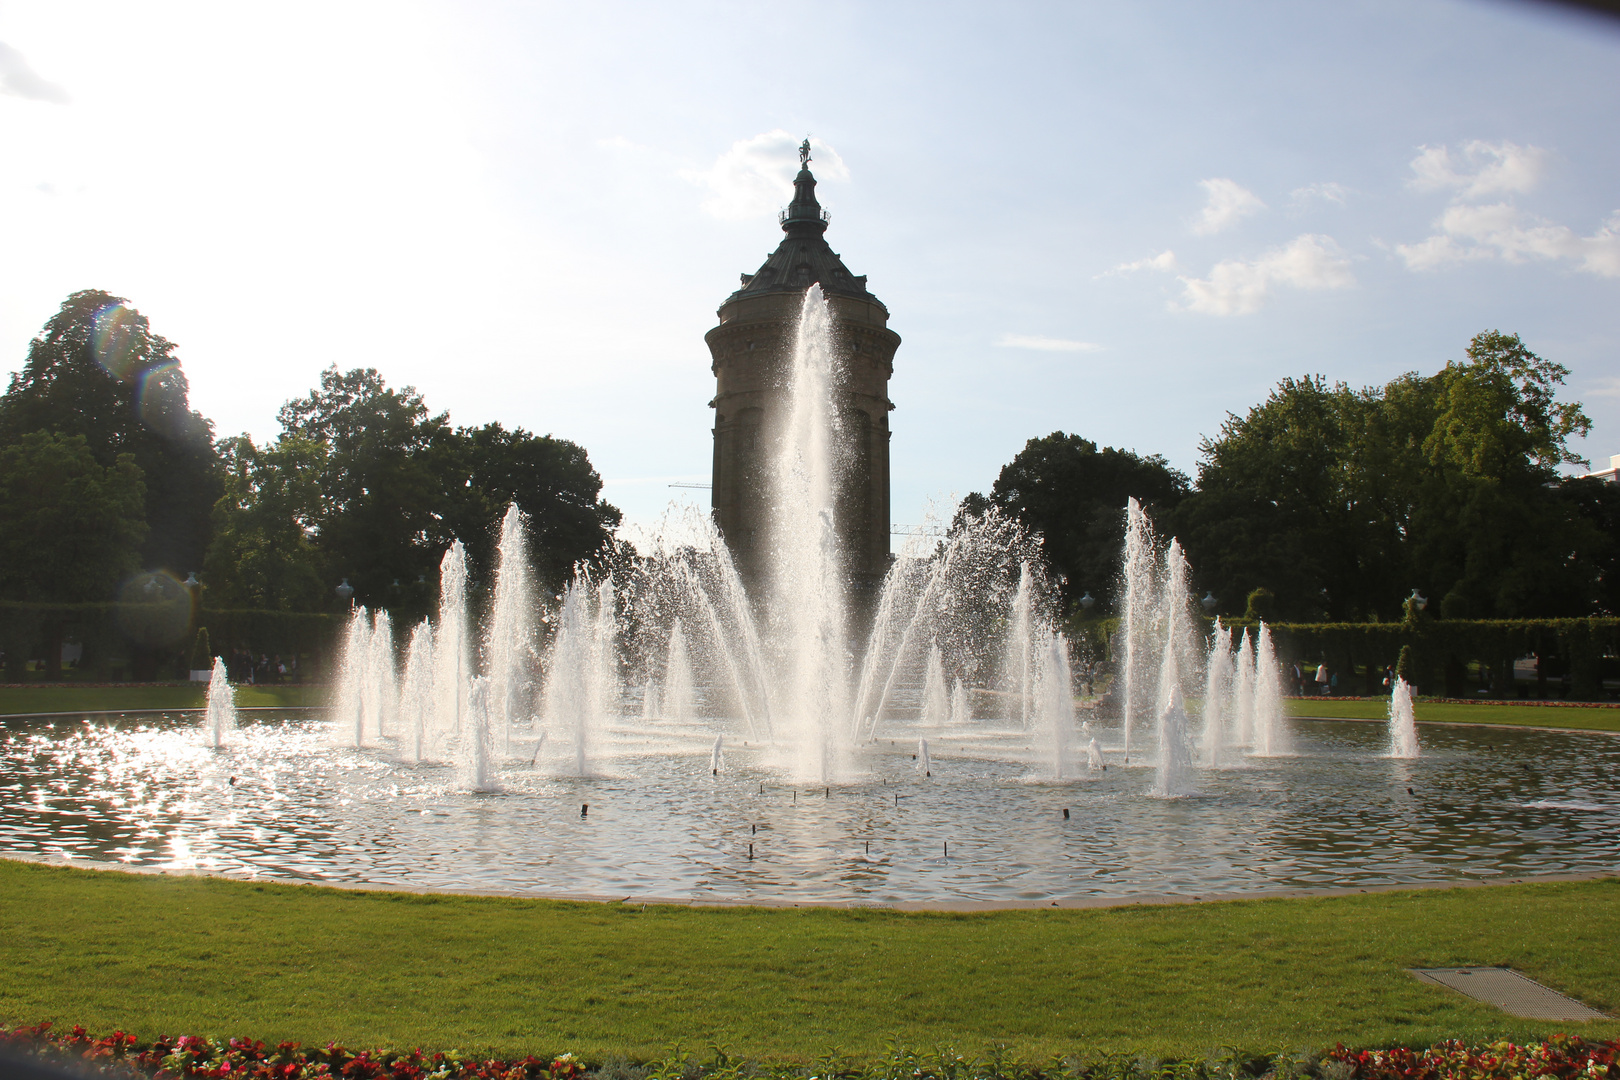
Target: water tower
752,348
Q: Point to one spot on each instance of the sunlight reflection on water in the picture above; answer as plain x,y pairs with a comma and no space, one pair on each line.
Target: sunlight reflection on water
146,791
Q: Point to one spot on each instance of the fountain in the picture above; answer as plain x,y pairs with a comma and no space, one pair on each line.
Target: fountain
1270,728
220,718
972,616
625,688
1243,693
936,700
1403,740
1218,704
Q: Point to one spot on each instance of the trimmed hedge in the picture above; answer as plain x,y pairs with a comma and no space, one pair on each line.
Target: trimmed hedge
1576,652
147,641
1440,650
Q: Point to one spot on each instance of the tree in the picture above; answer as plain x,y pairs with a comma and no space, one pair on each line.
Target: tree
97,370
1340,501
366,484
1073,494
70,530
386,487
555,487
263,552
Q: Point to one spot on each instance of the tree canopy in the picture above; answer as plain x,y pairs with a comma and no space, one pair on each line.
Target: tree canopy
72,529
366,484
1073,494
96,370
1341,501
364,481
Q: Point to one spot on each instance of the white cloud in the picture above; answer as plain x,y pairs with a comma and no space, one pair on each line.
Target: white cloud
1480,168
1502,231
1229,203
1607,386
1327,191
755,177
20,80
1044,344
1310,261
1164,260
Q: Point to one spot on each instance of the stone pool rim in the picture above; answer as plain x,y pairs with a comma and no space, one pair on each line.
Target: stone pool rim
1066,903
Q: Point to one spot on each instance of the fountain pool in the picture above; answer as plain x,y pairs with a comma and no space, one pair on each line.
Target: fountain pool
920,745
151,792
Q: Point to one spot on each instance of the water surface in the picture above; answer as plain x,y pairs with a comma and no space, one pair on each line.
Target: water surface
146,791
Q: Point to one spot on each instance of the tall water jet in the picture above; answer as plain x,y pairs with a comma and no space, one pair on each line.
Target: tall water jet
961,593
936,700
961,711
1021,647
509,643
349,703
925,765
451,642
1173,776
477,739
381,694
1138,612
678,700
1180,639
806,590
1243,680
1054,726
1270,728
220,719
1217,695
581,687
1403,738
650,703
416,695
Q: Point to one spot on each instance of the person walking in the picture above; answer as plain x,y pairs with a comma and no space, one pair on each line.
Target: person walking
1322,679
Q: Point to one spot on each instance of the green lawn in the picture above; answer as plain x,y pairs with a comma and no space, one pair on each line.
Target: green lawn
157,954
70,698
1552,716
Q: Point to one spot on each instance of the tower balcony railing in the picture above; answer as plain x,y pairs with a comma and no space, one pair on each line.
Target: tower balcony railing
783,217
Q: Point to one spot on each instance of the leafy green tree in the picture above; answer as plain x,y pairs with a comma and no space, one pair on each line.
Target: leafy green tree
1494,539
554,485
70,530
1282,503
365,483
98,371
1340,501
263,552
1073,494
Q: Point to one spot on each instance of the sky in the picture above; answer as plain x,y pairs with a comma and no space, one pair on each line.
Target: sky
1120,220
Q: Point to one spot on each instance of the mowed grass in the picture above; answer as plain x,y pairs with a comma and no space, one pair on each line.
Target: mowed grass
1550,716
155,954
69,698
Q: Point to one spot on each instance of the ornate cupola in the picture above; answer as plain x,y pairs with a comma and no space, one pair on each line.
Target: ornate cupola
752,348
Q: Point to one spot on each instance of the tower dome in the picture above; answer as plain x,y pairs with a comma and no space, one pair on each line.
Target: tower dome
752,348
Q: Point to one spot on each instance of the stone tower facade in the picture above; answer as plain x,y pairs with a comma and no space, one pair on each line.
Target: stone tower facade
752,350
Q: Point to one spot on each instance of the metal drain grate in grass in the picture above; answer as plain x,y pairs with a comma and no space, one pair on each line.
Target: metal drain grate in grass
1509,991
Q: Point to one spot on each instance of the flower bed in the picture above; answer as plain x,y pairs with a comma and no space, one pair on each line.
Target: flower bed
120,1054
